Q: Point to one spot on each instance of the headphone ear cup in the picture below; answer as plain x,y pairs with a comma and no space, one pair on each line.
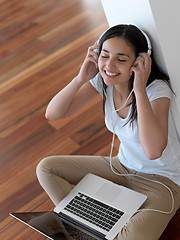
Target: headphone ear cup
97,51
98,43
140,57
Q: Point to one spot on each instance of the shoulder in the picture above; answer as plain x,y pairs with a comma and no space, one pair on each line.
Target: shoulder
97,83
158,89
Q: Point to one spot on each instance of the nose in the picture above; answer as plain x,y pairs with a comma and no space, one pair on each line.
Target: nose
110,63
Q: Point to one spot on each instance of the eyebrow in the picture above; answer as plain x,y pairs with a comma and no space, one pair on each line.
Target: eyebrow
120,54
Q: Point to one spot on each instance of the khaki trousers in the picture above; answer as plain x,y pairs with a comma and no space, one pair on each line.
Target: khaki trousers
57,174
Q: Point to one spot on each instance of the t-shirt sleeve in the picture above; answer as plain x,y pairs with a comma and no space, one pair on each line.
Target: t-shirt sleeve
158,89
97,83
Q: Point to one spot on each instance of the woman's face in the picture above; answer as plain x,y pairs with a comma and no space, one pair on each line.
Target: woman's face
115,61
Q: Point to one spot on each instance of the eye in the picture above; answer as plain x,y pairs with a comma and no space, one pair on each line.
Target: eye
103,56
121,60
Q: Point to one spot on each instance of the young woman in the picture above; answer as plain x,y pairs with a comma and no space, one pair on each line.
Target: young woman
136,96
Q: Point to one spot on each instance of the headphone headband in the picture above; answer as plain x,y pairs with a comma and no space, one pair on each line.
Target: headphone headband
146,36
148,42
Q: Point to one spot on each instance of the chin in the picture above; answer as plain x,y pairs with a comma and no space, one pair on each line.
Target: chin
109,82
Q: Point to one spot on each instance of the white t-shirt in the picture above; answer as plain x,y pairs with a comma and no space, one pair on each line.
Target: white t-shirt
131,153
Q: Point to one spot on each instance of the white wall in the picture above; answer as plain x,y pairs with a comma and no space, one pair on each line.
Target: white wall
160,19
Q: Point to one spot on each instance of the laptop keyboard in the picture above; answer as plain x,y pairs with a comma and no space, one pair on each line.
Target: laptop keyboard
93,211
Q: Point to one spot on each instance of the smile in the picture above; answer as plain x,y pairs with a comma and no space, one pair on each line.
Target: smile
111,74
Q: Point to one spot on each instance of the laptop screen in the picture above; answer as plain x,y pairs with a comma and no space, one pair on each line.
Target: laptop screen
52,226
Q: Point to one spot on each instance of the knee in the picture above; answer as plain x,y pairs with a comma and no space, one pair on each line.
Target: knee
49,166
43,166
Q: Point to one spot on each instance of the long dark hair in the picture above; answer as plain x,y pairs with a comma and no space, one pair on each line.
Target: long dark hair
138,41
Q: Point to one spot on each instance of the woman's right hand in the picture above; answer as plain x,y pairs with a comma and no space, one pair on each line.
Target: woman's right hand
89,68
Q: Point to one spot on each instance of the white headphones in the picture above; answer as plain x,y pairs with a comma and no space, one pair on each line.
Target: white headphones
147,39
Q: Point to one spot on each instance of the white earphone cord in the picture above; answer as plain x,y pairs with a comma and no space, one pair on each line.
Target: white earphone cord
119,174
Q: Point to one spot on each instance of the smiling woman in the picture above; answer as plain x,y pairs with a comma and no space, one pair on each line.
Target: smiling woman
142,123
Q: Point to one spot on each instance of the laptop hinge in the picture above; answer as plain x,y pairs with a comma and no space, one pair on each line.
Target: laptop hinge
80,224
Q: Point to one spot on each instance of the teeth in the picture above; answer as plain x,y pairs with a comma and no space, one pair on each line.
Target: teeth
111,74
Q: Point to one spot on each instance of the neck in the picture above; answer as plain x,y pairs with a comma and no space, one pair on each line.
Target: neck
121,91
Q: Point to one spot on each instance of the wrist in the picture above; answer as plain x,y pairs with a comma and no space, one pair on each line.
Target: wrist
140,93
78,81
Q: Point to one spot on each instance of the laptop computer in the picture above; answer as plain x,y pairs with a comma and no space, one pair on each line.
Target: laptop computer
96,209
99,206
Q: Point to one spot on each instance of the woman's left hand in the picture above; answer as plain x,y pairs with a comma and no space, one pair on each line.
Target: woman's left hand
142,70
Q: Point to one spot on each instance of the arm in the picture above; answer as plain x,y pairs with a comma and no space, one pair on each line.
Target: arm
153,124
152,117
77,93
70,99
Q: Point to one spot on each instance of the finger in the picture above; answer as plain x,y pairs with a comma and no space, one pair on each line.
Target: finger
94,46
92,59
93,51
138,64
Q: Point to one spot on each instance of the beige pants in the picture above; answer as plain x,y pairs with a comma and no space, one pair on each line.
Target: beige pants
57,174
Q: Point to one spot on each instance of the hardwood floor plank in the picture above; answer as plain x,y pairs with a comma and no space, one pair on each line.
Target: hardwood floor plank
22,132
30,150
91,146
42,64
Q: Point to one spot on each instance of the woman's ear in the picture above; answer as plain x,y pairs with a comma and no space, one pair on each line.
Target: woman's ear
131,71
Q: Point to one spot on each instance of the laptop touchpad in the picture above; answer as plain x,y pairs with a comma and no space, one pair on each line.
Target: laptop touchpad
109,192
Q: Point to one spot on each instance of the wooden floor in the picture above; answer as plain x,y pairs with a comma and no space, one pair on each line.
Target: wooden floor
42,46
